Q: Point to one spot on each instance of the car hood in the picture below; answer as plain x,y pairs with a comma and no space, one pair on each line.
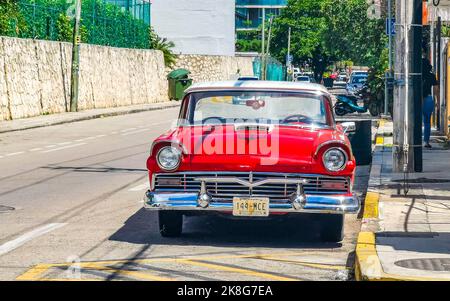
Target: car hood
239,147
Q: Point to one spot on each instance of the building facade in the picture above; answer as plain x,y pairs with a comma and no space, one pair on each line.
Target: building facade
140,9
203,27
250,13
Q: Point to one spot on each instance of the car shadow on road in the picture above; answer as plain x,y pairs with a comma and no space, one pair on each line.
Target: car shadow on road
293,232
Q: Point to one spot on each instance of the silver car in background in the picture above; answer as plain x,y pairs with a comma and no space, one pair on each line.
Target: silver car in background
356,83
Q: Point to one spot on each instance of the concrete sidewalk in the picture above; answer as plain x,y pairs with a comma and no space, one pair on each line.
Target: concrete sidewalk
54,119
406,237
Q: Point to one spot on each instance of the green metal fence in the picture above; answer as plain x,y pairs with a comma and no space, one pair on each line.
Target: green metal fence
118,23
274,69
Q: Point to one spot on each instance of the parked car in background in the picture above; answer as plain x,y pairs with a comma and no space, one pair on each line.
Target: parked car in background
341,80
360,73
309,167
305,79
248,78
356,83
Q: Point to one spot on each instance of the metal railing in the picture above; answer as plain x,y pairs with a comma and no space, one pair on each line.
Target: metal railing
261,3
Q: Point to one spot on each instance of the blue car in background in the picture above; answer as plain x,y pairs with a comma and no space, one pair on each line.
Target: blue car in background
356,83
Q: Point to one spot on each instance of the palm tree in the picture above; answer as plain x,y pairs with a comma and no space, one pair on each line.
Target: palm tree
165,46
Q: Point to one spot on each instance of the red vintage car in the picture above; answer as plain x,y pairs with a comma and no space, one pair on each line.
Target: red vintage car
277,153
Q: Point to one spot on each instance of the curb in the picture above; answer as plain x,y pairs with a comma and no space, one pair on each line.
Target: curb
367,263
93,116
368,266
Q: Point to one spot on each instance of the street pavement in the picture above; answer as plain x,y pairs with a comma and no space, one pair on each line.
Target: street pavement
71,208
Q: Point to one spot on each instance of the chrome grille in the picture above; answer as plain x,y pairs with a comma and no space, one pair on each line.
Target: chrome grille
186,182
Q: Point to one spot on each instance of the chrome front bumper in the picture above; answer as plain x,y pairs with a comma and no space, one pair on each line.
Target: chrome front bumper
191,202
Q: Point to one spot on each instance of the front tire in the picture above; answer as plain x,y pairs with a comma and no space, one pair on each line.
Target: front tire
339,111
331,227
170,223
374,110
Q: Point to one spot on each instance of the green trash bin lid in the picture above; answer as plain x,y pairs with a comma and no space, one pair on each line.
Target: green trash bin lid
178,73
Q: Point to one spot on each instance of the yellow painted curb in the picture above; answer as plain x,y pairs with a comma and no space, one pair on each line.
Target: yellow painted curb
371,205
379,140
368,265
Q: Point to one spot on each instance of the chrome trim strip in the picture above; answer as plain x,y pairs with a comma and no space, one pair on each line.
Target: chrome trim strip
314,204
327,143
254,174
172,143
251,184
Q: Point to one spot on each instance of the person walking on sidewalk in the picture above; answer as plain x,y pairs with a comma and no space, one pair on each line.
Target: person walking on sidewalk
428,81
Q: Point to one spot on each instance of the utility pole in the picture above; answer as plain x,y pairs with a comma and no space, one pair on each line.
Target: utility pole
270,35
263,49
438,71
288,57
263,33
289,47
74,81
407,150
388,75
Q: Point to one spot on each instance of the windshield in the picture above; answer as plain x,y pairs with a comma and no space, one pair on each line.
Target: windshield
260,107
359,80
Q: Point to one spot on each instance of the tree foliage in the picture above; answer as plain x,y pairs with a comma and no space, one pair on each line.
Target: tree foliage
328,31
12,22
101,23
165,46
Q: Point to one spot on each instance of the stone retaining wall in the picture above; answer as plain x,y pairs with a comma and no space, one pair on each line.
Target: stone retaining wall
35,76
214,68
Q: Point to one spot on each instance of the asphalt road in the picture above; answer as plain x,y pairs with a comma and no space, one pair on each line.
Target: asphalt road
70,208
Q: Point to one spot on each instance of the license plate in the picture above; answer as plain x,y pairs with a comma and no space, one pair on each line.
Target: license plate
250,206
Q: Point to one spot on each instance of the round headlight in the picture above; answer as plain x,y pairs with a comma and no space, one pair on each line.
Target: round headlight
334,159
168,158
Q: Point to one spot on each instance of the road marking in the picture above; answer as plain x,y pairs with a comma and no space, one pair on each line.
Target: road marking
21,240
135,132
114,133
141,275
64,143
128,130
36,149
36,272
322,266
139,187
14,154
64,147
100,136
51,146
235,270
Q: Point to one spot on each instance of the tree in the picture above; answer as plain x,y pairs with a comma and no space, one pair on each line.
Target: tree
350,34
308,25
328,31
11,20
163,45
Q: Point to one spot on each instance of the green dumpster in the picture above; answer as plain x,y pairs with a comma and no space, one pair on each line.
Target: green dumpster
178,82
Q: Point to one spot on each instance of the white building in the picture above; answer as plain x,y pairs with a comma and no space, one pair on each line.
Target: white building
196,26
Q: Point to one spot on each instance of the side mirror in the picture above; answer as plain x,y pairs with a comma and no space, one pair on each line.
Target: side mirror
348,127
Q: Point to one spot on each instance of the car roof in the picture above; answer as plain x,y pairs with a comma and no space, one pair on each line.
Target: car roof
256,85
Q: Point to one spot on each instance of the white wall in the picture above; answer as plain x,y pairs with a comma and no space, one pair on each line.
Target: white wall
196,26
